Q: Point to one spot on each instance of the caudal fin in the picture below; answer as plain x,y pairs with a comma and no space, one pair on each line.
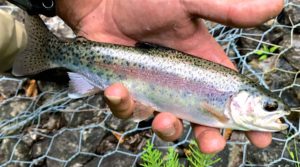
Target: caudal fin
33,59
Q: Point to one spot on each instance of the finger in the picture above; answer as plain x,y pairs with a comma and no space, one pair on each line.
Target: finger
167,126
235,12
119,101
259,139
209,139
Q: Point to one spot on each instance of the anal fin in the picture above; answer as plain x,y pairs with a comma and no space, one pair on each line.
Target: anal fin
80,86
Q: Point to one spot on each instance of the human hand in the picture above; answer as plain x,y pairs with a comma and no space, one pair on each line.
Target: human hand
172,23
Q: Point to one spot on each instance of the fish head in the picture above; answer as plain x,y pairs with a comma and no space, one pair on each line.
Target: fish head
257,110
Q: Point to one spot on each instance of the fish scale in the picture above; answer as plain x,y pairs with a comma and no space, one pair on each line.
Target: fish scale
165,79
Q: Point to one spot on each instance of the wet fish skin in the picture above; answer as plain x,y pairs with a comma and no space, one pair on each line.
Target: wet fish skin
193,89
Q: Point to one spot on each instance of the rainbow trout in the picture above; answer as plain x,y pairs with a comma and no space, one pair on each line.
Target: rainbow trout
192,88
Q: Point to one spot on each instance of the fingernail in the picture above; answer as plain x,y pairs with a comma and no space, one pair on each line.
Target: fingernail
168,131
115,100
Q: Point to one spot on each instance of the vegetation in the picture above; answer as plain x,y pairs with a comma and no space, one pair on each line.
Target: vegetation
294,153
153,157
198,159
265,51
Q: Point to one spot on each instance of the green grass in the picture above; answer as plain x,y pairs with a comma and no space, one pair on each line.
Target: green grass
294,153
153,157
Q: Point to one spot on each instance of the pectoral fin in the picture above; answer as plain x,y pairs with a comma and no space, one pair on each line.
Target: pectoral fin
227,133
213,111
80,86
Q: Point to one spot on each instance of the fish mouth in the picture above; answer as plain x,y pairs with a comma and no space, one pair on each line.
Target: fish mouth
273,123
277,122
280,124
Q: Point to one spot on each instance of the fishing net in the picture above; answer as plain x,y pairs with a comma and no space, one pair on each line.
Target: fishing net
41,126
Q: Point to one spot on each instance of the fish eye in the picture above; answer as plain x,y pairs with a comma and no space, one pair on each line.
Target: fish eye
271,105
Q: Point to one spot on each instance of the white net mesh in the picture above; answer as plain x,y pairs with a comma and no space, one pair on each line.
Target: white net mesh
53,130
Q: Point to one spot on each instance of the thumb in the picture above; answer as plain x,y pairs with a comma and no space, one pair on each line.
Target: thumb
235,13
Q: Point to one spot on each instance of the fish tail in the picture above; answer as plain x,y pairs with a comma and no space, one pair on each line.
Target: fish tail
34,58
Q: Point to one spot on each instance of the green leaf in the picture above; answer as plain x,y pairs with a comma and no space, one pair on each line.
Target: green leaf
259,52
265,48
151,157
199,159
172,158
292,155
263,57
273,48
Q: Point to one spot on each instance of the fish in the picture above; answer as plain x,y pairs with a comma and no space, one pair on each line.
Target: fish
167,80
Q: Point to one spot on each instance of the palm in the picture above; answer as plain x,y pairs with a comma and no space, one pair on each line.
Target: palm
154,21
162,22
